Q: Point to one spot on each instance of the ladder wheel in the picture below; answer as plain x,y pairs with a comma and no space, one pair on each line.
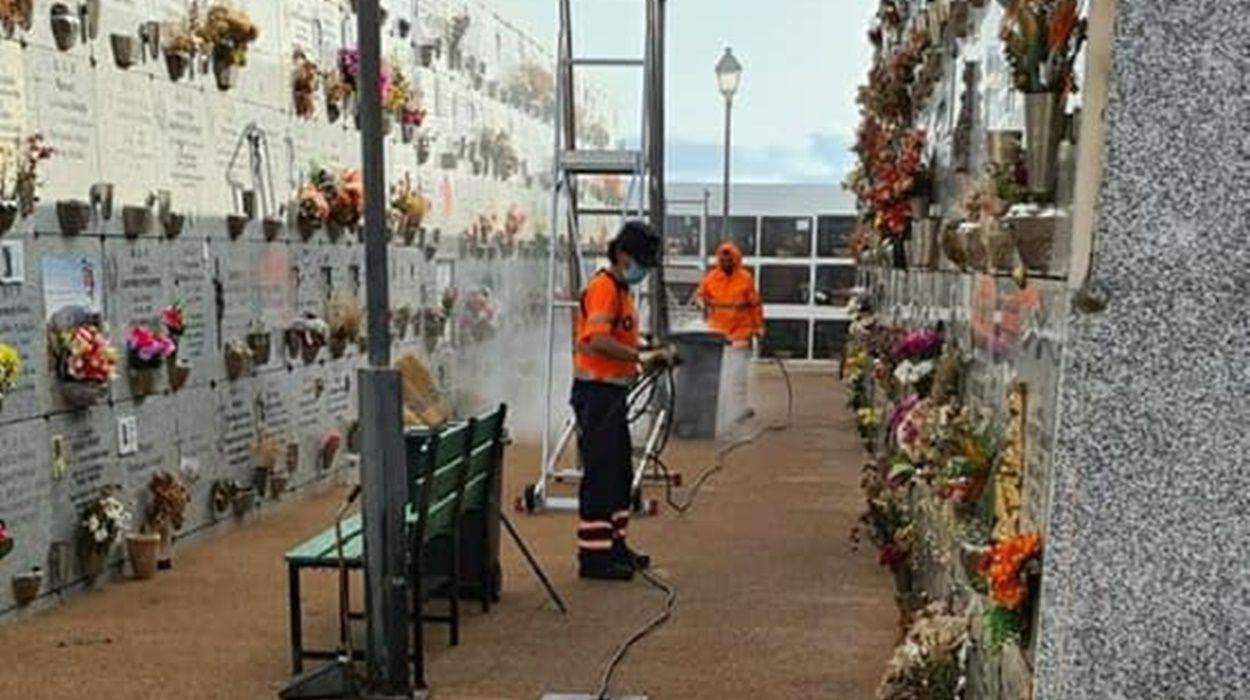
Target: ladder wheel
653,507
676,480
531,498
636,502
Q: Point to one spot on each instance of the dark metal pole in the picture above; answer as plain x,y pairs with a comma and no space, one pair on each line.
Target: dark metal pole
382,464
655,124
724,222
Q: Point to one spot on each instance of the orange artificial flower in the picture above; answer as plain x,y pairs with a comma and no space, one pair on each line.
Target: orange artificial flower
1003,568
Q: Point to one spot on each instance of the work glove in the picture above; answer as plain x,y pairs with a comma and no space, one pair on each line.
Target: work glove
658,358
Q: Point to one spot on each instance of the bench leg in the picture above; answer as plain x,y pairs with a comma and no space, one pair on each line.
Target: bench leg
418,625
297,633
455,588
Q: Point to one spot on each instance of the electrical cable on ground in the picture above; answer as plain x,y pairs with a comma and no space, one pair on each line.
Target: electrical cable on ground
670,593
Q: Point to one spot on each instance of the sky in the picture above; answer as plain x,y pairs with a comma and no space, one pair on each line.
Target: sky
794,114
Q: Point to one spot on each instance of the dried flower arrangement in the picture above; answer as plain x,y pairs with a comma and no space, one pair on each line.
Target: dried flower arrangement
16,14
891,171
19,176
267,451
931,663
1041,39
228,31
10,368
305,78
169,502
344,316
408,207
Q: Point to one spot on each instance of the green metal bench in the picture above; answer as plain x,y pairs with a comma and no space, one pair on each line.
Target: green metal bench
437,459
455,518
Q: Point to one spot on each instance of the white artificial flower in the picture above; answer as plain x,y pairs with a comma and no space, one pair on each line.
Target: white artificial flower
93,523
101,536
909,372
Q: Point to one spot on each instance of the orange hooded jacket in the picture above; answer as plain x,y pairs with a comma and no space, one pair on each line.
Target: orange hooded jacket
732,306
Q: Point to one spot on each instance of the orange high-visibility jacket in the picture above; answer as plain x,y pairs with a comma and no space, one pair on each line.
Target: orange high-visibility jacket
731,302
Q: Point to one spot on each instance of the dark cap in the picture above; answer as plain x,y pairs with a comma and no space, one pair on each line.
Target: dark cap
639,240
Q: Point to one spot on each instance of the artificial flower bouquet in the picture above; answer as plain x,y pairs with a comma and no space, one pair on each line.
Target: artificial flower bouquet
1041,39
6,541
1008,570
101,522
169,502
409,206
148,348
10,368
305,78
19,176
83,354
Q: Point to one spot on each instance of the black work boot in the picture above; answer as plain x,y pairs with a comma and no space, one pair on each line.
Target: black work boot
630,557
603,567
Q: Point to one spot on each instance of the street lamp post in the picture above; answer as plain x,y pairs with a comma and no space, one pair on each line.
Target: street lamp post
728,75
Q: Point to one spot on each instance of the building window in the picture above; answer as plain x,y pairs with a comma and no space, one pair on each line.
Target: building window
681,235
785,339
741,232
833,284
786,237
833,236
828,339
788,284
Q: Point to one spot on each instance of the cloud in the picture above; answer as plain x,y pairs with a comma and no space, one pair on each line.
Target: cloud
817,158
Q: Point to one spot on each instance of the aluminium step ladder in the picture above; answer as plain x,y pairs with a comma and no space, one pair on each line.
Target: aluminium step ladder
644,199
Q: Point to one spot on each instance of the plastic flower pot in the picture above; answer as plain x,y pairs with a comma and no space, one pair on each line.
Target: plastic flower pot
338,346
236,224
277,485
238,361
127,50
143,381
165,555
260,478
72,215
172,224
178,371
976,254
1034,238
243,501
307,226
261,347
953,246
142,550
334,231
8,214
66,27
1001,247
960,12
26,587
80,395
224,70
272,228
1004,147
1043,126
136,221
177,63
309,350
91,561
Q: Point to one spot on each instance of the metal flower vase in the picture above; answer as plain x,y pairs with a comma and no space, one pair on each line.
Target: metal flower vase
1043,126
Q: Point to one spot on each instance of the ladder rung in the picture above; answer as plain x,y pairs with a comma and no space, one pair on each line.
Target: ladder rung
567,304
601,162
608,62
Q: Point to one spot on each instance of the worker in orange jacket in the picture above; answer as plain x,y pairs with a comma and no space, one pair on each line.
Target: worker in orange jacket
731,307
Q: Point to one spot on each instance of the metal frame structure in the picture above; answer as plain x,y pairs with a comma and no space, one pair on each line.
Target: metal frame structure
644,200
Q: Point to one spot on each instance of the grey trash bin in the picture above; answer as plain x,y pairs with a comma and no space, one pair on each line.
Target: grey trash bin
697,383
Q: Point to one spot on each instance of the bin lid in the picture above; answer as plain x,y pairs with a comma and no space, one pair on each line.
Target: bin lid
700,337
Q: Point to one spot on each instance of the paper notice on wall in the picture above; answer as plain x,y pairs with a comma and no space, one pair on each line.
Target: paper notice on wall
72,285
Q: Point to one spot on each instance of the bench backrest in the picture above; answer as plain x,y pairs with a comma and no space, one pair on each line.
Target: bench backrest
485,455
437,470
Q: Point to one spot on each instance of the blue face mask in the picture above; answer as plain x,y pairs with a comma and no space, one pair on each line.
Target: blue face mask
635,274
